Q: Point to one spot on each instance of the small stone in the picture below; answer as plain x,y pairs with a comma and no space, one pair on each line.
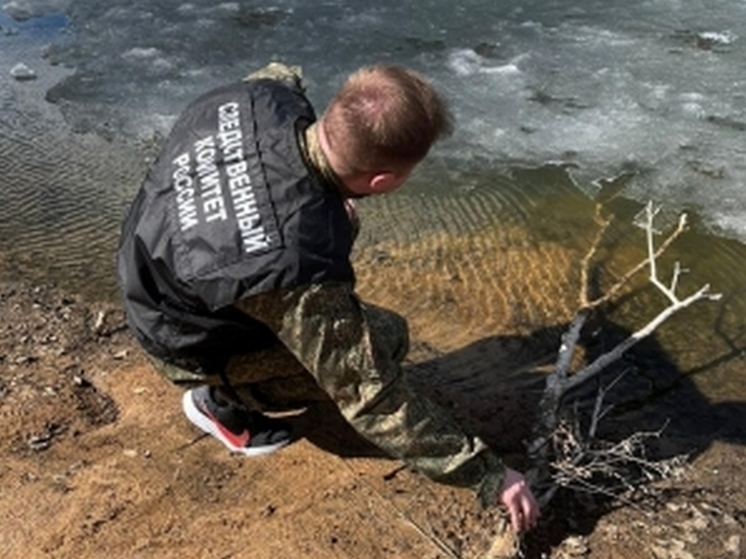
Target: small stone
21,72
120,355
612,532
658,530
25,359
130,453
728,520
678,550
733,545
670,549
28,477
698,521
39,442
690,537
98,325
576,545
80,381
710,508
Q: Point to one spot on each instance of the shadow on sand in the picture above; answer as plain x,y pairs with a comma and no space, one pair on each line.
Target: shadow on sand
492,387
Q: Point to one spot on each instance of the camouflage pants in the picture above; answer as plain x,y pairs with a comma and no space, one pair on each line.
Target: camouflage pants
274,379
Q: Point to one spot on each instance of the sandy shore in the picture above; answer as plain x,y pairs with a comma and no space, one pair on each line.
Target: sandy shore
99,462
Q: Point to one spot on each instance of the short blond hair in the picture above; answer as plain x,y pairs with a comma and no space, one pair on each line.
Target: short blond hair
384,116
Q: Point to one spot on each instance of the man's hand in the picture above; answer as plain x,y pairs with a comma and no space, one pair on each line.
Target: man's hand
517,497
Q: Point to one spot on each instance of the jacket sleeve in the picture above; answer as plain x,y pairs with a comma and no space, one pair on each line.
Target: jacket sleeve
335,336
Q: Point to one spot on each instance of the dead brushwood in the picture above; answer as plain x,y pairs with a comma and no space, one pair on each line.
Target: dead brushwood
564,456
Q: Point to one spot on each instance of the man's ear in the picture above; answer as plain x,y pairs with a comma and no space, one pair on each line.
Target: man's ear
387,181
383,182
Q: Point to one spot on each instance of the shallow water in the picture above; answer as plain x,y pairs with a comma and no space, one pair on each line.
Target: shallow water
464,259
491,288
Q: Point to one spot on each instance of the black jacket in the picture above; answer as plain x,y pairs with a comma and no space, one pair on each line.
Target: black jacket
231,208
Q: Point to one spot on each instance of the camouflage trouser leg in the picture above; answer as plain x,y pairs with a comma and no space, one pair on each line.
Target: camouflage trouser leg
267,379
274,379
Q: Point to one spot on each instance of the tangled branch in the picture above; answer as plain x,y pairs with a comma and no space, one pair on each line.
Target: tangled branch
561,454
589,465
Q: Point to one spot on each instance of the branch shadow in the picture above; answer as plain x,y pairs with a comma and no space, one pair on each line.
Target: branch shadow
493,387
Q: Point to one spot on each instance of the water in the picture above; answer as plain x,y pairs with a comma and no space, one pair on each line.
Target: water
552,99
655,87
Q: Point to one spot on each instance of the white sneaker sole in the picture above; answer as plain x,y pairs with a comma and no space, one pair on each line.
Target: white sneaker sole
204,423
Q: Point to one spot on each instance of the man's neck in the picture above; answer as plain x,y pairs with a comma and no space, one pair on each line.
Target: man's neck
319,160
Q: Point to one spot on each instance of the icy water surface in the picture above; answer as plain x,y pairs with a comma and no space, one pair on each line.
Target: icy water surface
655,87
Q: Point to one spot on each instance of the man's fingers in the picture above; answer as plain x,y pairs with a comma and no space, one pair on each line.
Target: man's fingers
531,511
518,499
524,513
515,518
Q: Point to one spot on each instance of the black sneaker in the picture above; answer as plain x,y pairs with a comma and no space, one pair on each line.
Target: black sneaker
241,430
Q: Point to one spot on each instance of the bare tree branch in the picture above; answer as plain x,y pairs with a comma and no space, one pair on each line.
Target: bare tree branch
650,260
561,455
